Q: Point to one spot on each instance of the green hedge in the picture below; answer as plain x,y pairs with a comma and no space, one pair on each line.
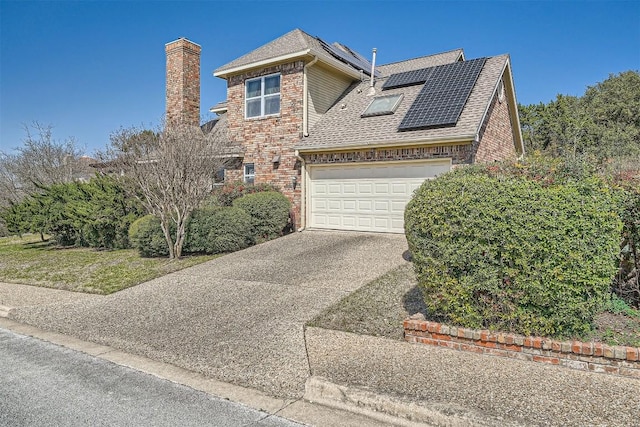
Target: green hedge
231,191
219,230
269,213
511,253
97,213
254,217
145,235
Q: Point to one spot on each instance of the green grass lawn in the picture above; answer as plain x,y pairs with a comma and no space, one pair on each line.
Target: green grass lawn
27,260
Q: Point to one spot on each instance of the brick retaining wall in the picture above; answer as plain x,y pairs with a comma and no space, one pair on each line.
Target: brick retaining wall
586,356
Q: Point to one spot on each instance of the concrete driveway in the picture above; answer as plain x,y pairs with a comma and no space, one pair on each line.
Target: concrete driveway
238,318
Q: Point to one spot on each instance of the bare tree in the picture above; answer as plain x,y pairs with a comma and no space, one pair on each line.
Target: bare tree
170,171
40,161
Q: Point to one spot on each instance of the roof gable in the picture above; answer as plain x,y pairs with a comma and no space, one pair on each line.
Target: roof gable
292,42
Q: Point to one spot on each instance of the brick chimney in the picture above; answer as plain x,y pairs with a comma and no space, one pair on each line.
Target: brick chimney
183,82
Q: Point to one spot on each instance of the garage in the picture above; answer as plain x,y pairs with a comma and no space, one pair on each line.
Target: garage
366,196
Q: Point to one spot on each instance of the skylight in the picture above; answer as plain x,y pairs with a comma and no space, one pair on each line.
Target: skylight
382,105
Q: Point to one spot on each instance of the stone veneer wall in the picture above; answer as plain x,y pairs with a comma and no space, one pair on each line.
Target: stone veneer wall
585,356
267,137
496,134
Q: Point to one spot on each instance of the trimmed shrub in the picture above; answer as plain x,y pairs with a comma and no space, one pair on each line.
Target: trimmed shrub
219,230
145,235
269,213
197,229
510,253
234,190
623,175
232,231
211,202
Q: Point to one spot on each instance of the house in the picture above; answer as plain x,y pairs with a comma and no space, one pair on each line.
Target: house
348,140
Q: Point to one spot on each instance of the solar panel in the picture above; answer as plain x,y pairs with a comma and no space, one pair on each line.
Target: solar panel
443,96
356,61
408,78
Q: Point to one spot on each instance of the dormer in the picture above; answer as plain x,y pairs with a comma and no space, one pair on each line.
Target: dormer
269,77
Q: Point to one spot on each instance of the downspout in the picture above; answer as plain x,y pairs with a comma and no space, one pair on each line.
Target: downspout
303,192
305,96
475,145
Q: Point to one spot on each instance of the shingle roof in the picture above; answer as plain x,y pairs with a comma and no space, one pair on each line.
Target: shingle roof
294,42
219,107
342,125
422,62
218,131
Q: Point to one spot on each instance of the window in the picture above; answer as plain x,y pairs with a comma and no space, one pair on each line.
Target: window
218,178
249,173
382,105
262,96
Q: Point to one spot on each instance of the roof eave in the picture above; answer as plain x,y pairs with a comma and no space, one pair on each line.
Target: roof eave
278,59
513,106
218,110
334,63
459,139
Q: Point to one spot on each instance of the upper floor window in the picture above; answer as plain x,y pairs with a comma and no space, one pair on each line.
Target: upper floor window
262,96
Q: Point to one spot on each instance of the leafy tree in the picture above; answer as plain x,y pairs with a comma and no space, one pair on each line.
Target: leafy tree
614,107
603,123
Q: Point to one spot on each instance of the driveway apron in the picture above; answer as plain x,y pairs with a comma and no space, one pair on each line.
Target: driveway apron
238,318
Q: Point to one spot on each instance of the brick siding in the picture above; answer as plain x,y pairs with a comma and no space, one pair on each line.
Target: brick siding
268,137
585,356
496,134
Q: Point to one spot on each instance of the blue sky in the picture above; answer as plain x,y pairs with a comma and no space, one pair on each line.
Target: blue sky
90,67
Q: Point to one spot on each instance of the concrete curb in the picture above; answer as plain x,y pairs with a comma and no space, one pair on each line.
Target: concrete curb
6,311
389,409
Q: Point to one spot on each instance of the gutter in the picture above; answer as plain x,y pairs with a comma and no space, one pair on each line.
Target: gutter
305,98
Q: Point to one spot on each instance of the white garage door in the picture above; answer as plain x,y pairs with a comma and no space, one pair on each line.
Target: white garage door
366,197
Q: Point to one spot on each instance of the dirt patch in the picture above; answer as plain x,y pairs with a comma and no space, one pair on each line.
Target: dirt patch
617,329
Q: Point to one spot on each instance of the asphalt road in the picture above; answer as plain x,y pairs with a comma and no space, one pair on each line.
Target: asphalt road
42,384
